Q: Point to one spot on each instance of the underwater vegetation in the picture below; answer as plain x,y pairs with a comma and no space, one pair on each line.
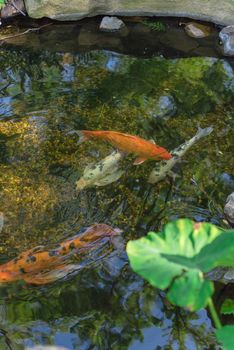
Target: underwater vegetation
155,25
48,181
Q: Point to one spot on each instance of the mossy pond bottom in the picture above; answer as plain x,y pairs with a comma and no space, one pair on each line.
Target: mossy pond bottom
72,77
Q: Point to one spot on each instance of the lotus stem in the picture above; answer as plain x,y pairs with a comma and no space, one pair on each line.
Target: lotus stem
214,314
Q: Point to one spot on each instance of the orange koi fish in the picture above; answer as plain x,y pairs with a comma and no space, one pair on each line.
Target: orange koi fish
49,276
35,263
128,144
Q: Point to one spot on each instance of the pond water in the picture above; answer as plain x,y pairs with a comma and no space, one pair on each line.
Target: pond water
158,86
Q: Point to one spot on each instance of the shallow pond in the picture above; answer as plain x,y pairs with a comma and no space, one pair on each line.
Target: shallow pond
158,86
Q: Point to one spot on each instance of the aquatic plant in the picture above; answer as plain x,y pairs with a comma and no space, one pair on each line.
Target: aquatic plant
155,25
177,260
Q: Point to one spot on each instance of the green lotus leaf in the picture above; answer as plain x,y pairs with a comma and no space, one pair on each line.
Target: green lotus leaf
176,259
226,336
228,307
199,290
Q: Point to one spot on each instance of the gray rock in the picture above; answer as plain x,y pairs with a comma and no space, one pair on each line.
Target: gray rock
221,274
227,179
229,209
229,276
197,30
111,24
165,107
227,37
221,12
216,274
13,8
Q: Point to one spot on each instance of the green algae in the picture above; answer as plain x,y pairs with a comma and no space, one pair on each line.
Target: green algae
40,163
43,160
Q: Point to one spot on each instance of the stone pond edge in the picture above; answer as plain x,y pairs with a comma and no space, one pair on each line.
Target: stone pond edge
216,11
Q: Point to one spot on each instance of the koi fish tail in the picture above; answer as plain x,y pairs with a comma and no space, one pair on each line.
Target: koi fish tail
82,136
204,132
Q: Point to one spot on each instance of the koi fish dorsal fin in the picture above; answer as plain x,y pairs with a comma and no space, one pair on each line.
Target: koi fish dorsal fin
152,141
139,161
128,137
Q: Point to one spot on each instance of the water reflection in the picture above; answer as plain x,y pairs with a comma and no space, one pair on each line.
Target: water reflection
48,93
111,311
206,83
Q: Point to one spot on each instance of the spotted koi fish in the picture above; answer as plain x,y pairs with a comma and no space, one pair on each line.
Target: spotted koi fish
40,266
163,169
128,144
102,173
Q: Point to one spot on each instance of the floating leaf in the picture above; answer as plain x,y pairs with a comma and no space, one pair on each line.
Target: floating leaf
228,307
226,336
177,257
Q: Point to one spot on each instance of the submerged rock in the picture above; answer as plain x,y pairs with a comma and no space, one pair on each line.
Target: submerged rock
177,39
91,38
111,24
229,209
165,107
13,8
229,276
221,274
197,30
227,180
227,37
